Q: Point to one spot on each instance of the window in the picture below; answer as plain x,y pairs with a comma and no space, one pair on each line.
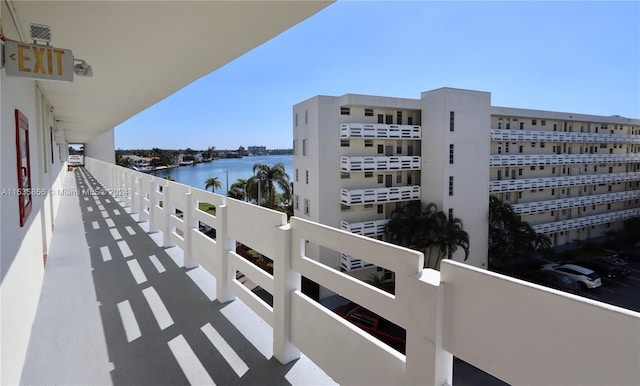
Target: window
380,118
345,111
533,167
519,195
345,143
388,119
368,174
296,174
399,117
541,144
296,202
555,127
306,206
399,177
306,176
398,147
519,172
451,185
450,214
345,176
306,117
541,167
304,146
543,123
521,125
534,122
368,112
368,206
451,120
368,143
380,178
451,154
409,120
520,149
533,144
380,209
380,149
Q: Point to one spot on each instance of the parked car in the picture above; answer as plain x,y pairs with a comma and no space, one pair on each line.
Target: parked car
605,269
585,276
621,263
388,332
554,279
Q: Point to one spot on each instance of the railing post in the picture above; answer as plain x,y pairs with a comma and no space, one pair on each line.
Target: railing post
153,201
168,210
224,273
189,225
137,198
285,282
427,362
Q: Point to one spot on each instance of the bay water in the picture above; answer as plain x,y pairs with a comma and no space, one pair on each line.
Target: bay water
196,175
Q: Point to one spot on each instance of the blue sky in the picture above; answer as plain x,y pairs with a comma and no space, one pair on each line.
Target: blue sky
581,57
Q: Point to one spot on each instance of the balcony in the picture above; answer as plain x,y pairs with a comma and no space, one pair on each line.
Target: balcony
152,312
379,195
358,164
574,202
564,225
561,159
380,130
560,136
371,228
554,182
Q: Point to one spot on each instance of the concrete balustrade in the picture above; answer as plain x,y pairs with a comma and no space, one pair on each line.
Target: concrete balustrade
520,332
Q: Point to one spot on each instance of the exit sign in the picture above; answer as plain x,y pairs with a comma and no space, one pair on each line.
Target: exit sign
38,62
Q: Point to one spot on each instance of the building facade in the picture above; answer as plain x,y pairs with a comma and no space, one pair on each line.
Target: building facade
357,158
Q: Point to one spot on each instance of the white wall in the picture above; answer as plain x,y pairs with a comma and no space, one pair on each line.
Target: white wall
102,147
470,201
22,249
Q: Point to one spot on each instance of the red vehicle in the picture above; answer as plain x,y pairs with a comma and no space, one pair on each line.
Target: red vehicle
386,331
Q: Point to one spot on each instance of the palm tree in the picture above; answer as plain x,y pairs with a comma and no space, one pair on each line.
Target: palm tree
426,229
270,177
213,183
238,190
509,236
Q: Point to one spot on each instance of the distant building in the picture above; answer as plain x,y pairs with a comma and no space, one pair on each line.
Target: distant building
257,150
280,151
357,158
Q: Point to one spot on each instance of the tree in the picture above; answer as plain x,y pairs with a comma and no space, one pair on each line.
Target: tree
428,230
270,177
238,190
125,162
213,183
511,238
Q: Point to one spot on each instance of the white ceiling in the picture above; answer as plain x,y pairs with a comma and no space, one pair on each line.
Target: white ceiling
143,51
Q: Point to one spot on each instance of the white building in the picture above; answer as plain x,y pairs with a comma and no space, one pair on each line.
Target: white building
358,157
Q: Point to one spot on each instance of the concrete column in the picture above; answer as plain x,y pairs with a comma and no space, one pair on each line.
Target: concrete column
224,273
153,201
167,209
285,282
189,224
427,362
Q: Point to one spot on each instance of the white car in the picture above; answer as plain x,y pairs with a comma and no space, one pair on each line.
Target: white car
583,275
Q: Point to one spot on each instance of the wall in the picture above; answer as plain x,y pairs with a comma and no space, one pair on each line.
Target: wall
470,168
22,249
102,147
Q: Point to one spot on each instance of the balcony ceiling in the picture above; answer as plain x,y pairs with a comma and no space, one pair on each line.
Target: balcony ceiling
141,52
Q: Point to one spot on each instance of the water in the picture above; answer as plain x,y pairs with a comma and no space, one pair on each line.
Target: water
197,174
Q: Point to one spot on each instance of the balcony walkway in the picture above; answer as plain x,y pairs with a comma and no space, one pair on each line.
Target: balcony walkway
117,308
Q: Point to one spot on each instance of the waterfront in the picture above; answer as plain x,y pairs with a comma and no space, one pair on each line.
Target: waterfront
197,174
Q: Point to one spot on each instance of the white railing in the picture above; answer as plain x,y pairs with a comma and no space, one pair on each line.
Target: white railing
561,159
379,195
350,263
497,186
370,228
560,136
597,219
574,202
379,130
468,319
357,164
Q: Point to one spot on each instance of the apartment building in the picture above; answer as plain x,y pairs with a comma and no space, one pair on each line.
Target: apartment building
357,158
